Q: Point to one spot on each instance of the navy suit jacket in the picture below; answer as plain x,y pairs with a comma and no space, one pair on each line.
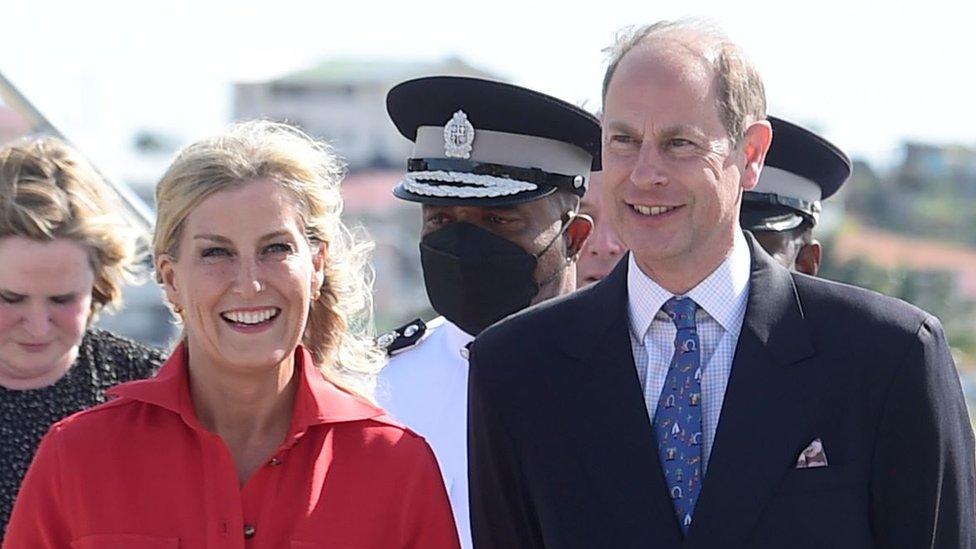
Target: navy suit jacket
562,454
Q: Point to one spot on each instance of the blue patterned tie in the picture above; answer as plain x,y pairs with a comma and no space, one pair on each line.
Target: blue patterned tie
677,422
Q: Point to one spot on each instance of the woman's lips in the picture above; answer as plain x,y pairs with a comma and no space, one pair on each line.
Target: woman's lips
34,347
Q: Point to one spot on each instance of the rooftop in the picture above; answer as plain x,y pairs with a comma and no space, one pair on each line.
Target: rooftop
370,192
891,250
364,71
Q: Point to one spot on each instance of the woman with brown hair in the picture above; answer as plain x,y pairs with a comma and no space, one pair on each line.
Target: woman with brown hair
260,430
64,254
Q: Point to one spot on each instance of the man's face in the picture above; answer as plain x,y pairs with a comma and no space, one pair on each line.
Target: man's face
603,248
531,226
780,246
672,179
793,252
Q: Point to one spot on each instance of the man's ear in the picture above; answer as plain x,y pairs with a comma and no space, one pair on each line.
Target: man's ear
577,232
165,267
808,258
755,145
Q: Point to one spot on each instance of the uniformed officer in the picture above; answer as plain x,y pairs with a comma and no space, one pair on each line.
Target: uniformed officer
802,169
499,171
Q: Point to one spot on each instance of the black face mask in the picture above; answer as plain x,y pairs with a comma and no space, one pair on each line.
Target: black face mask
475,278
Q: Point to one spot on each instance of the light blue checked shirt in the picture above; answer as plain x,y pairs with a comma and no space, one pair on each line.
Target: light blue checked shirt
721,300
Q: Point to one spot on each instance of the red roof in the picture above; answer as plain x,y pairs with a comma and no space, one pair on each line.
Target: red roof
370,192
891,250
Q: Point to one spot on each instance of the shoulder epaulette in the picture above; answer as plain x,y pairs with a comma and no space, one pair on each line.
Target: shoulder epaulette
404,337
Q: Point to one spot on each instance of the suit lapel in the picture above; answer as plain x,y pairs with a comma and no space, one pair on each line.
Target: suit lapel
603,393
762,415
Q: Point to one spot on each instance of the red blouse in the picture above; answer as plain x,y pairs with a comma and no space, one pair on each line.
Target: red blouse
140,471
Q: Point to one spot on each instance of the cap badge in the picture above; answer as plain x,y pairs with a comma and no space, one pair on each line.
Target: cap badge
458,136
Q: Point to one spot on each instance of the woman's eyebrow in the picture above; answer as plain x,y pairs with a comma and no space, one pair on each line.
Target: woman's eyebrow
275,235
212,237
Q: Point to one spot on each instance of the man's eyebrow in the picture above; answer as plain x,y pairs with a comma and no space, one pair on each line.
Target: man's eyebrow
682,129
670,131
623,127
507,208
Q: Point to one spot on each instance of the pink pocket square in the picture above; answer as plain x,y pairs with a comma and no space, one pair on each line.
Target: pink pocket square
812,456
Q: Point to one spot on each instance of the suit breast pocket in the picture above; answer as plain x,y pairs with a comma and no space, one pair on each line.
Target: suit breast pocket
818,479
125,541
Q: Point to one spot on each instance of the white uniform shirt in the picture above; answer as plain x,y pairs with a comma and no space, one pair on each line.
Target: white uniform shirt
426,388
721,300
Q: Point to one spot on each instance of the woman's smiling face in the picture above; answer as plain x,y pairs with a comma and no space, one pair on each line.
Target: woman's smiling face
244,276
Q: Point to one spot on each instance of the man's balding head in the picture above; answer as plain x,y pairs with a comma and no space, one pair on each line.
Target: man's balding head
739,89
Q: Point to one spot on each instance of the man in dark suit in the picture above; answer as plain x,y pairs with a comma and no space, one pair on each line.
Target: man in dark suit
702,396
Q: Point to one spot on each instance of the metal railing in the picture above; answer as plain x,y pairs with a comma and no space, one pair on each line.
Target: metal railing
138,213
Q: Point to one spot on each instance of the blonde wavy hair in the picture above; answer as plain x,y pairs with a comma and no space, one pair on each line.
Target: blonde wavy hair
48,191
339,333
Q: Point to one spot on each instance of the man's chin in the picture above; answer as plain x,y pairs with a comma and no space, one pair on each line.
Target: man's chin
655,252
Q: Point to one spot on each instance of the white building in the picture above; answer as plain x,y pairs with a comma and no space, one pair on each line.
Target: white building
344,102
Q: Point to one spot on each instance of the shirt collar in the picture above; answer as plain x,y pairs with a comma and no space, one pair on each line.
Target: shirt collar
644,298
317,401
722,295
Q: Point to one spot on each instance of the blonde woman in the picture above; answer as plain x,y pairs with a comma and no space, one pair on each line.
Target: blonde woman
63,255
259,431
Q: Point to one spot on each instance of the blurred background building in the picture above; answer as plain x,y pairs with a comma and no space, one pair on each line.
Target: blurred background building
344,102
